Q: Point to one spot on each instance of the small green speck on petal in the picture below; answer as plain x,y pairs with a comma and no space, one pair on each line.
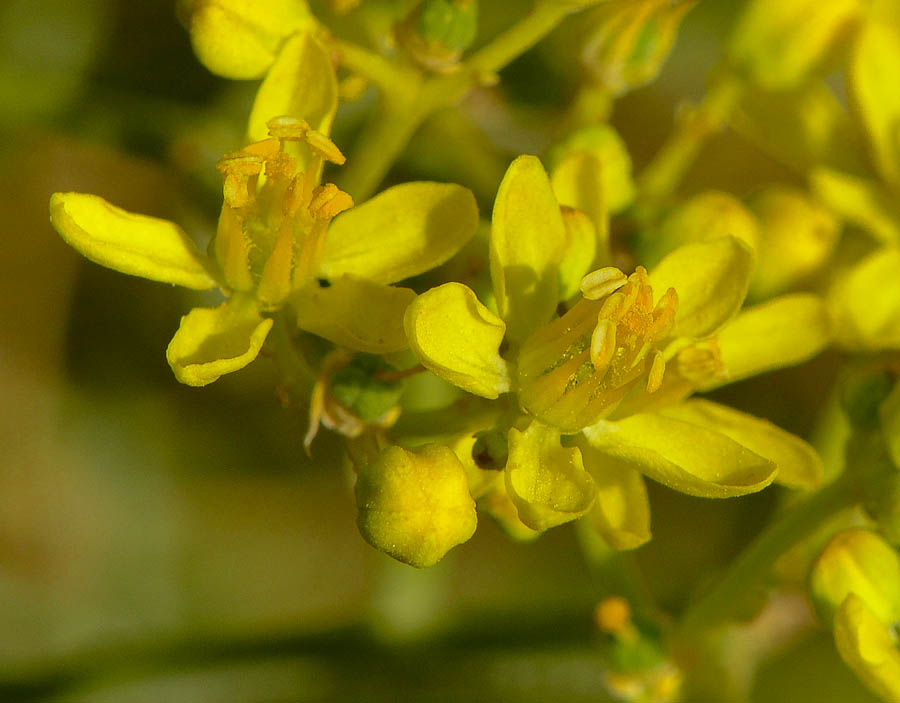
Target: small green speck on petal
123,241
546,481
458,338
401,232
354,313
211,342
415,505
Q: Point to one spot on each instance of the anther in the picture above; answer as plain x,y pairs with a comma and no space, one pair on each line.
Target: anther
602,282
603,343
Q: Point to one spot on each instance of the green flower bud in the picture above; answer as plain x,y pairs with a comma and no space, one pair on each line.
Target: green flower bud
363,387
631,41
415,505
778,43
437,32
860,562
796,237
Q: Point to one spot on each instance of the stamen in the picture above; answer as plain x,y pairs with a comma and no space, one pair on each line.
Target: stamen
613,307
603,343
289,129
598,284
321,144
329,200
657,370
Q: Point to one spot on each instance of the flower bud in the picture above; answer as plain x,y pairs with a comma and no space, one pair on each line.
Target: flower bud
704,217
796,237
437,32
778,43
591,171
630,41
415,505
857,561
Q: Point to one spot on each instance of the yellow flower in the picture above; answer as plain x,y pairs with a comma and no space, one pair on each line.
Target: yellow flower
276,247
614,371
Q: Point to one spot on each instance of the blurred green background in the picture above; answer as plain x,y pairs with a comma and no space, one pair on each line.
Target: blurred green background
159,542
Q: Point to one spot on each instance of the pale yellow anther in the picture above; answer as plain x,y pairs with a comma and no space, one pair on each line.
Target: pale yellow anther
657,371
701,361
603,343
321,144
329,200
613,307
288,128
600,283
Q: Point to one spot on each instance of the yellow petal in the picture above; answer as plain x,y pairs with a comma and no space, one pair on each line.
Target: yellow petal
580,252
211,342
237,39
864,303
134,244
798,464
546,481
867,646
621,513
354,313
528,238
684,456
857,561
401,232
458,338
301,84
711,280
875,67
781,332
415,505
862,202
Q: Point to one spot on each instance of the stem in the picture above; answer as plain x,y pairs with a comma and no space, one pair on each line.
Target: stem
661,177
382,140
752,566
407,101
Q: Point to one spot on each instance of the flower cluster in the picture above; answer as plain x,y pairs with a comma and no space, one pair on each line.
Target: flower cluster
565,338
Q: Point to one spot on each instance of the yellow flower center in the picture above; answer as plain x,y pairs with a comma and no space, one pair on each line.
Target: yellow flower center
577,368
272,228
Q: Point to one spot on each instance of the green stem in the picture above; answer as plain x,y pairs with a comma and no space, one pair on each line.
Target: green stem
662,176
407,100
752,566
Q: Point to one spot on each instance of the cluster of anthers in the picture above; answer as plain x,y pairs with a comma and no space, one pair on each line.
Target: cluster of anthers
578,367
275,217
